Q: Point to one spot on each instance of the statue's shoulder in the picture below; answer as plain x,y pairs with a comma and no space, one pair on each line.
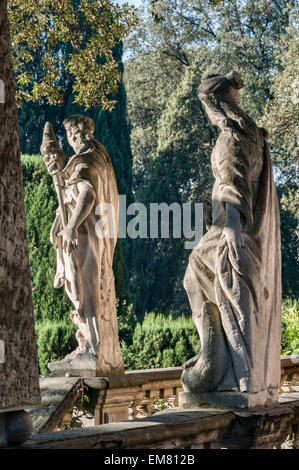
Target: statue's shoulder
81,167
83,158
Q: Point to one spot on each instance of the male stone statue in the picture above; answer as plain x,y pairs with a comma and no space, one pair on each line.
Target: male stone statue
86,189
233,276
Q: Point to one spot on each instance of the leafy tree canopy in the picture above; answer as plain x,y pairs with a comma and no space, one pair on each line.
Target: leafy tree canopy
76,36
282,110
171,138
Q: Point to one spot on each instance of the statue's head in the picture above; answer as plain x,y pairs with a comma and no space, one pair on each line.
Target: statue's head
219,95
221,86
79,130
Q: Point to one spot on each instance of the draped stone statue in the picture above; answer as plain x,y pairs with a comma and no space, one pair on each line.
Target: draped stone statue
84,235
233,279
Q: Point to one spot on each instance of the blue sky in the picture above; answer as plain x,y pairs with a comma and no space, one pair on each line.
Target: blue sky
136,3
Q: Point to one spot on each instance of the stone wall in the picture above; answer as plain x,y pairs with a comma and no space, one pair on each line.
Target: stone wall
195,429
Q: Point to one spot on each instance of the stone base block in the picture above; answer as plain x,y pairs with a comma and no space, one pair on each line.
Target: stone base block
228,400
78,365
15,427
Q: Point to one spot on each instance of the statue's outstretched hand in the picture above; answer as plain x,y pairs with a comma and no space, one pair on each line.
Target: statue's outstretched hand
69,239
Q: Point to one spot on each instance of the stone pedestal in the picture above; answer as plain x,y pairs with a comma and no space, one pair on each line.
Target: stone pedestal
228,400
81,365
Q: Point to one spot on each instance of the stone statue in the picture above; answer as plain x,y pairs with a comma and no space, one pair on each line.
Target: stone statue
233,279
85,185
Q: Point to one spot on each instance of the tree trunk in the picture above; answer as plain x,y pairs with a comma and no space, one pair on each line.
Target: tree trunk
18,366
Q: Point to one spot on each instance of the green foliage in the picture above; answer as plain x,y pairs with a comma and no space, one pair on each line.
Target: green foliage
282,110
177,170
164,341
55,339
75,38
55,330
171,138
126,321
81,408
289,216
160,405
290,327
161,341
156,9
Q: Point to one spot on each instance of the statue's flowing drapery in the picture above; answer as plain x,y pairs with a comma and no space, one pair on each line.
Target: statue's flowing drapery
87,271
240,292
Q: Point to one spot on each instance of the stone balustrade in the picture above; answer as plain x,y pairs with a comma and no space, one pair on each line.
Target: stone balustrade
136,394
289,373
269,428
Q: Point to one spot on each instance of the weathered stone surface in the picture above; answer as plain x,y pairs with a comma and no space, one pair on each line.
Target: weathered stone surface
18,427
58,396
115,398
233,279
110,398
137,434
18,372
192,429
84,235
82,365
225,400
15,427
262,429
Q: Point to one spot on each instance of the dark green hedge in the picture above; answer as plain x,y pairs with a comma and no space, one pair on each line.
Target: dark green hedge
161,341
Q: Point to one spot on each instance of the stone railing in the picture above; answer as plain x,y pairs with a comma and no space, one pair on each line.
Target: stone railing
269,428
136,394
289,373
